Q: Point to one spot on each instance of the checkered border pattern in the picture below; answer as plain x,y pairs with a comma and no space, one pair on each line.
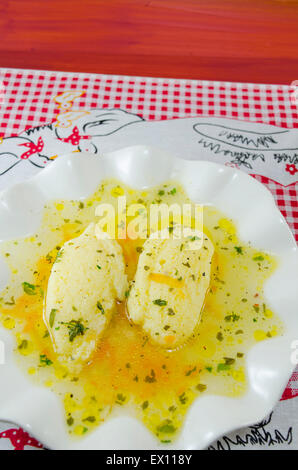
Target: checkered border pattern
286,198
292,388
27,100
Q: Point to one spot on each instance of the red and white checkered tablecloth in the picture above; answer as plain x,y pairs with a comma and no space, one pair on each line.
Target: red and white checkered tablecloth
31,98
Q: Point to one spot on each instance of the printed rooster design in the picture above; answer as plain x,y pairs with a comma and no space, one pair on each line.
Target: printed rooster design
35,148
19,439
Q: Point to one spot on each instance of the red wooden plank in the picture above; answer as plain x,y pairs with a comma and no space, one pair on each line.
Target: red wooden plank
249,40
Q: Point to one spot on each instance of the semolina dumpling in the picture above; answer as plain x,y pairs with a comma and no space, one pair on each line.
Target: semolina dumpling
171,283
86,280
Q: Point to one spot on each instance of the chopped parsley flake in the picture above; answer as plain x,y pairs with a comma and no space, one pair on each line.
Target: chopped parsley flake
186,264
183,398
160,302
189,372
233,317
44,361
166,427
75,328
29,289
23,344
12,301
229,360
59,256
90,419
219,336
100,307
150,378
52,317
223,366
258,258
120,399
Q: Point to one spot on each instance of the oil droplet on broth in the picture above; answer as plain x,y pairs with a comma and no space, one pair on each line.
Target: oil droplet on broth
127,370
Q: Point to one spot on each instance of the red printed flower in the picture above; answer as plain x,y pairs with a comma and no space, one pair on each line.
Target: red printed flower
291,169
32,148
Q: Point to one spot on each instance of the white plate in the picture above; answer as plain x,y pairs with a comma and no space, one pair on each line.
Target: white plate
242,198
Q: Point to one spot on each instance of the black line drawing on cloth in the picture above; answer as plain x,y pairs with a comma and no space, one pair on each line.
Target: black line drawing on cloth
243,146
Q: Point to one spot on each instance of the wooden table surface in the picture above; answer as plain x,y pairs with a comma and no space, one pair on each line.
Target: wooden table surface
235,40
